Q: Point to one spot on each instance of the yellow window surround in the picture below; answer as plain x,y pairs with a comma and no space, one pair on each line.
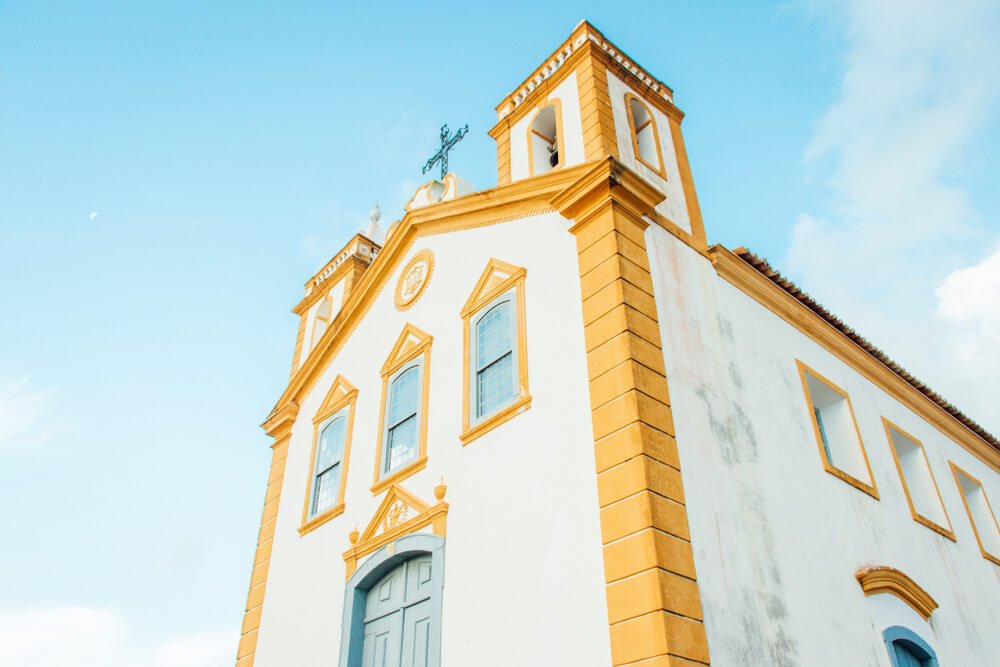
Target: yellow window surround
945,530
635,128
342,394
323,316
991,518
411,344
497,279
870,488
560,144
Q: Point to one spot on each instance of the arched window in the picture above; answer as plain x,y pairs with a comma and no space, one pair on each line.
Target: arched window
322,320
495,383
402,419
544,140
907,649
496,348
329,464
645,140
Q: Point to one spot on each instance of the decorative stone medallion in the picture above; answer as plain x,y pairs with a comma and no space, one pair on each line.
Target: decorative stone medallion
414,279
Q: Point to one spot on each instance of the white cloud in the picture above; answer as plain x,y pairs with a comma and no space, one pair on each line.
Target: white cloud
970,297
89,637
23,418
918,88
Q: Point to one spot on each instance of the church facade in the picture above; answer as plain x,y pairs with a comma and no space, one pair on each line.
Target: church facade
549,424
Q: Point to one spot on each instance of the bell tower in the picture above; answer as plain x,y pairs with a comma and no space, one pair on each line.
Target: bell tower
589,101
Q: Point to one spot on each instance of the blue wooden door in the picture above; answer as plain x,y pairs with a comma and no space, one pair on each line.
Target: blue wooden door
905,657
398,617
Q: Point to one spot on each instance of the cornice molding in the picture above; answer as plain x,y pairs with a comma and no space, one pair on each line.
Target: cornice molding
500,204
884,579
607,182
279,423
750,281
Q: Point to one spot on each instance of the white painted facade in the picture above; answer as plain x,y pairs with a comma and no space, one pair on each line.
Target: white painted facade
515,493
777,539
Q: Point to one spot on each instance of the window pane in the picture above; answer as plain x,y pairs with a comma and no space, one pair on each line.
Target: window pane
495,384
402,446
331,444
327,489
403,396
493,335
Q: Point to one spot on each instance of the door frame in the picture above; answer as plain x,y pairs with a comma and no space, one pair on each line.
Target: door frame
380,563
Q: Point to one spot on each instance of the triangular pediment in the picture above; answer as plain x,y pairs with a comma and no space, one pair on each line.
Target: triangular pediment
410,343
496,278
398,507
341,393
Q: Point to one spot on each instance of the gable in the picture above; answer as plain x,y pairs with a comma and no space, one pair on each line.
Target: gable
339,395
496,279
411,342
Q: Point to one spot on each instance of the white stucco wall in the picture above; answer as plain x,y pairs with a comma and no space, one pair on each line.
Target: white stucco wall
568,94
777,540
674,207
524,582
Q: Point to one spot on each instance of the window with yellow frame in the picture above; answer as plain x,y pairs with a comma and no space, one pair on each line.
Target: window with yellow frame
331,452
495,368
919,485
322,319
645,136
837,436
546,149
981,516
402,441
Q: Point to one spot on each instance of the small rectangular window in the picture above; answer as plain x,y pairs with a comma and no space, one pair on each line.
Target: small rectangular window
977,505
837,436
918,482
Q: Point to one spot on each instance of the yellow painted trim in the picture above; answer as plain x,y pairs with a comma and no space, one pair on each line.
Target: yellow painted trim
687,181
748,280
560,143
486,290
498,418
654,607
634,133
402,354
883,579
917,516
279,427
495,206
328,302
870,489
390,522
342,395
404,303
956,471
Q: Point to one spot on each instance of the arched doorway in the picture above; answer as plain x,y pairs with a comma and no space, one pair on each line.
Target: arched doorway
392,610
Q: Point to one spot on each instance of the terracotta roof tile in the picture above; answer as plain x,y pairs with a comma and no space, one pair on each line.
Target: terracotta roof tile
763,267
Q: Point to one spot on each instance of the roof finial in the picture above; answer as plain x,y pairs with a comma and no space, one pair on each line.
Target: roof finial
374,232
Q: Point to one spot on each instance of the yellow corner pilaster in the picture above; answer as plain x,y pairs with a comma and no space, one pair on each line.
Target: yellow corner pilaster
280,428
654,607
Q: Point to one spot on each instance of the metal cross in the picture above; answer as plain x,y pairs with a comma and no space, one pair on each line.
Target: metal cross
447,143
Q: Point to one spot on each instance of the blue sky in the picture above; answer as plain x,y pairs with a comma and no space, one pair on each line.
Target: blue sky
229,149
